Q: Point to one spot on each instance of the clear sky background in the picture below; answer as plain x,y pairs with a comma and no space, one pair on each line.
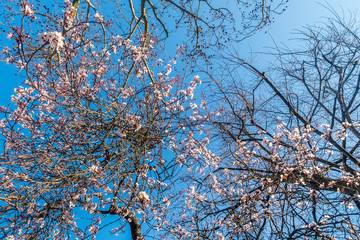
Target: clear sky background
299,13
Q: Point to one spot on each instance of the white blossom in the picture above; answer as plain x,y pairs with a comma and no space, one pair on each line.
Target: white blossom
143,196
54,39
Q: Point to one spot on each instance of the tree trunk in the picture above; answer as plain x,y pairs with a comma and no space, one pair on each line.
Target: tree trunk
135,227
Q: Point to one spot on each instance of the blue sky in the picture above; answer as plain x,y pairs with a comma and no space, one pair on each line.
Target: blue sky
298,14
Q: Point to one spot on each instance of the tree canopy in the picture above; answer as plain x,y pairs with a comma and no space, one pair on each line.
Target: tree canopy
106,128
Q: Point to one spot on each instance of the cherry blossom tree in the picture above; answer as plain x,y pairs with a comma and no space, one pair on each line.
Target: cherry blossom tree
288,161
88,130
101,128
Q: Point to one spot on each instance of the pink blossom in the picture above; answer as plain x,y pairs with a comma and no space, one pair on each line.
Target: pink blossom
26,9
143,196
54,39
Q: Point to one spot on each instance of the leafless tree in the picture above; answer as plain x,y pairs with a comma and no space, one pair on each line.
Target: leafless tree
89,129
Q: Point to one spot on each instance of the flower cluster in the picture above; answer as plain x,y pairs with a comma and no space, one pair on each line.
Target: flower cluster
26,9
54,39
